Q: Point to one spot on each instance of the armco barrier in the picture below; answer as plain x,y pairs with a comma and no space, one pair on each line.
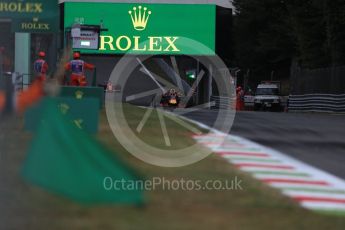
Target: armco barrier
223,102
331,103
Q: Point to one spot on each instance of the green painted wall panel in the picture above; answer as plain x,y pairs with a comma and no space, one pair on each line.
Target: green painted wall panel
163,23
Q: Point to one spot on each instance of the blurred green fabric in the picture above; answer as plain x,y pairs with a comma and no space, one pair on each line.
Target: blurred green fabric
83,113
69,162
83,92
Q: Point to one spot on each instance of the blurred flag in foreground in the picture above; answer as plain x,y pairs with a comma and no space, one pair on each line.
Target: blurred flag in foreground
69,162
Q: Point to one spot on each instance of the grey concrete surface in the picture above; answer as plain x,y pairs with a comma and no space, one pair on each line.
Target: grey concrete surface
317,139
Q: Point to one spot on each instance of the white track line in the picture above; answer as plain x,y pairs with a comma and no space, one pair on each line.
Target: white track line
277,176
324,206
238,147
282,186
313,194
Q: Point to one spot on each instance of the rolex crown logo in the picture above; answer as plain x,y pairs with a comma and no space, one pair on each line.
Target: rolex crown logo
79,95
140,15
64,108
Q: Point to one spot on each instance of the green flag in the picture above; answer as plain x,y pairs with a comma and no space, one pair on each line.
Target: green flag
81,93
83,113
69,162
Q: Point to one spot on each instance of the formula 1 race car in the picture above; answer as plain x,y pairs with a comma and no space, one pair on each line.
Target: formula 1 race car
170,99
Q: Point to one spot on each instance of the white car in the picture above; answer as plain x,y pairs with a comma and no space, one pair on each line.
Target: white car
267,97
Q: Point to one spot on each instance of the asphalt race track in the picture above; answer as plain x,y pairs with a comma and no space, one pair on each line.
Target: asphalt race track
317,139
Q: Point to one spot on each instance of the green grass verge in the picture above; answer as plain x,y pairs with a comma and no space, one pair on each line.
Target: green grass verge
255,207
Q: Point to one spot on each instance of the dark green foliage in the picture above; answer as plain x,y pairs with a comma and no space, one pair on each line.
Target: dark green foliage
335,22
263,39
272,33
309,31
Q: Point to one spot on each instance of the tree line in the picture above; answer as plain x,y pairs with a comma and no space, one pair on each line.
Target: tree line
270,35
